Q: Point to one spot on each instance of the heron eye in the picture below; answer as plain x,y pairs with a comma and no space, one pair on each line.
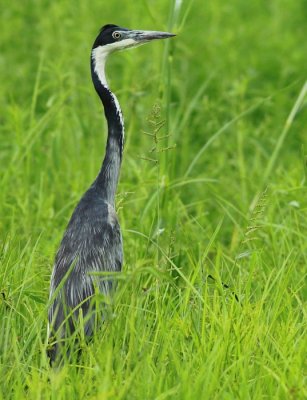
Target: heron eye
116,35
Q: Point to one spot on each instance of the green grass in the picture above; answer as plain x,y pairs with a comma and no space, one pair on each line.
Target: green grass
226,195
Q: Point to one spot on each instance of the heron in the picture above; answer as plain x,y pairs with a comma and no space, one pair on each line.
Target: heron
92,242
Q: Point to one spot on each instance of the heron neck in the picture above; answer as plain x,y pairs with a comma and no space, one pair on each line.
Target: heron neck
107,179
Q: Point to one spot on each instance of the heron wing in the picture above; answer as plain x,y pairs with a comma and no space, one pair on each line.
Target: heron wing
92,243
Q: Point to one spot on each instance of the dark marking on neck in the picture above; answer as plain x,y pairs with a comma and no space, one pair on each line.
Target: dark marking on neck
107,179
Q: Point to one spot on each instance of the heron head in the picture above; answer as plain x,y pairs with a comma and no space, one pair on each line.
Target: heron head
112,38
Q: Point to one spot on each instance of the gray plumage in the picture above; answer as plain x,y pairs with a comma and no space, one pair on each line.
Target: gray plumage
92,242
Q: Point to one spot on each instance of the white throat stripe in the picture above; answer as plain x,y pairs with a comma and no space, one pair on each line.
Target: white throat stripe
99,56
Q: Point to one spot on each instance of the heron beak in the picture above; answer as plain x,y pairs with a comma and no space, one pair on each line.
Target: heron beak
146,36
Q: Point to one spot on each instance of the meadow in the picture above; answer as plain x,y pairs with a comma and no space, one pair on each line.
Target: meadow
213,182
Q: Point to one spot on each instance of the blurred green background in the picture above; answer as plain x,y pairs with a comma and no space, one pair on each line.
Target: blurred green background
223,191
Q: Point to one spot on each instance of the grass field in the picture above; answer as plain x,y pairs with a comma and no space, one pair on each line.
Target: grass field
218,188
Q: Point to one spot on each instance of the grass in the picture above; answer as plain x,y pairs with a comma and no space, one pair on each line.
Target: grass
218,187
